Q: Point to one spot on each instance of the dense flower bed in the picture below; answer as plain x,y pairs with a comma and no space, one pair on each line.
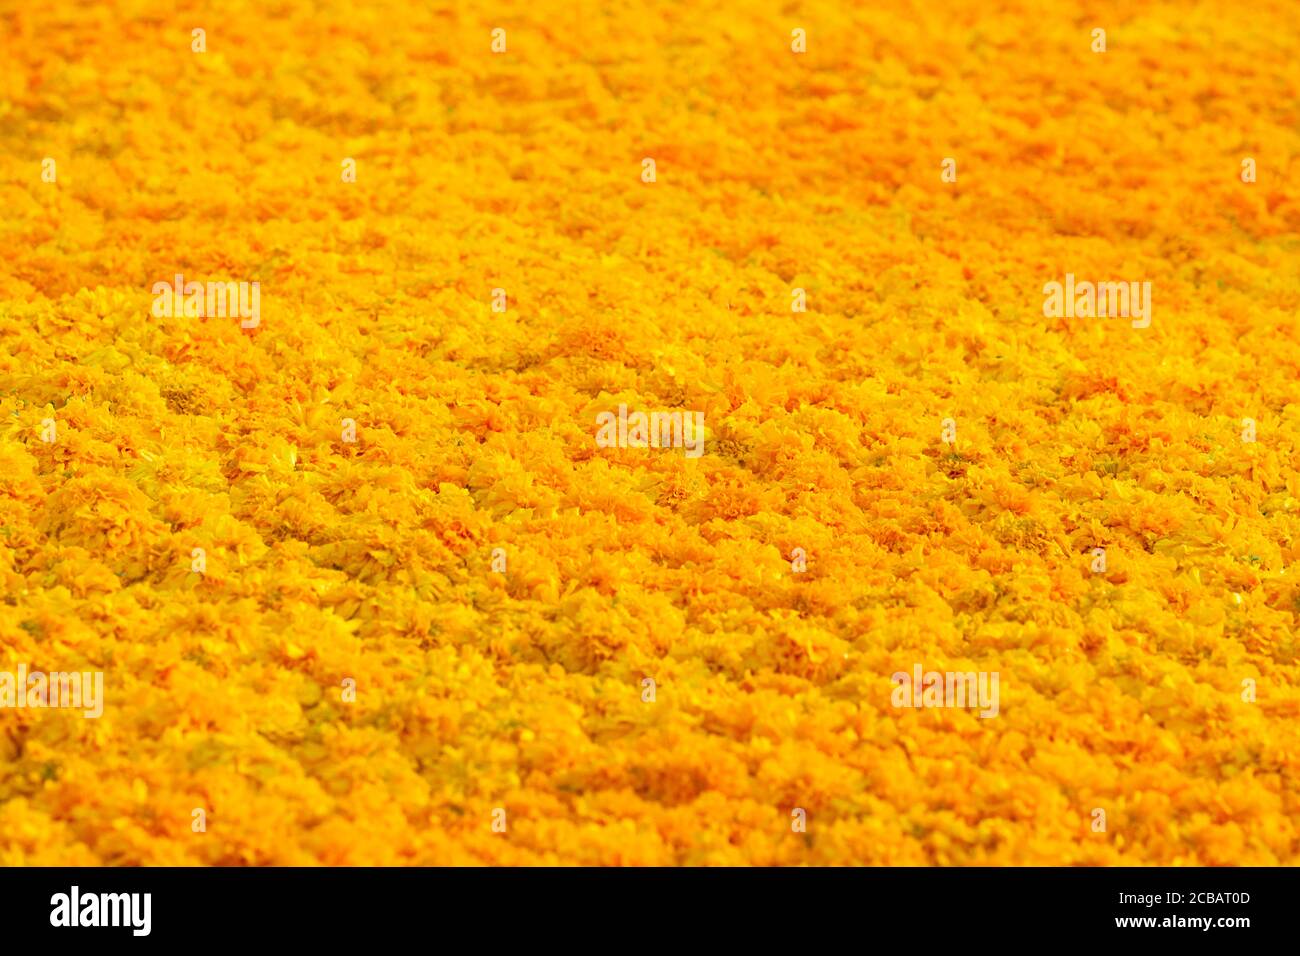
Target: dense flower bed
328,561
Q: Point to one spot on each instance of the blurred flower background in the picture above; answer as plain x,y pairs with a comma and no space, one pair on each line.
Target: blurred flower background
370,561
